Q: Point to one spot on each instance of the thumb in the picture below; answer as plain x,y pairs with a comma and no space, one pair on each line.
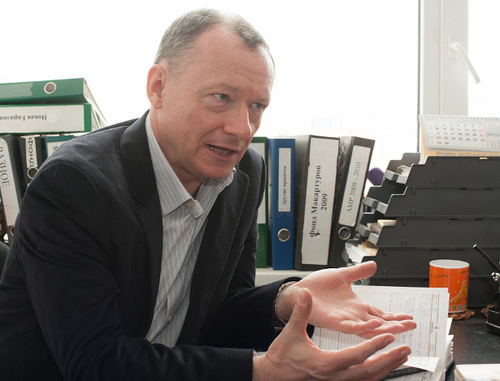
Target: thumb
301,312
361,271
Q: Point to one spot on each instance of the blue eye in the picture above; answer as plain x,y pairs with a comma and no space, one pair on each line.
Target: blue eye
259,106
221,97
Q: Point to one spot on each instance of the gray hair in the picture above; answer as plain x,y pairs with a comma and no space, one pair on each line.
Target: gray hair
181,36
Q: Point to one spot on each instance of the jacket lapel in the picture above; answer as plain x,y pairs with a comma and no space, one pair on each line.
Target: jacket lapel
215,248
141,180
208,287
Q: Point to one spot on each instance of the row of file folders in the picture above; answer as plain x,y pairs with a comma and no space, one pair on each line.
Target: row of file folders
20,158
36,117
312,202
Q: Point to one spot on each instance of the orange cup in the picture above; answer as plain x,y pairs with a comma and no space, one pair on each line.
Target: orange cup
454,275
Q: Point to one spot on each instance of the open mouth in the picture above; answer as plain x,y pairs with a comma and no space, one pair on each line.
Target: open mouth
220,151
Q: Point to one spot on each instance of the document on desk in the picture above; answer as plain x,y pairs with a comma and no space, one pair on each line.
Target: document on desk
428,342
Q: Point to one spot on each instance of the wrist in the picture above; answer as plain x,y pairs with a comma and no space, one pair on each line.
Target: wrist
258,370
281,311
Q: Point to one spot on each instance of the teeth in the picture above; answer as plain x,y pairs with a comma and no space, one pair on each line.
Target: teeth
219,151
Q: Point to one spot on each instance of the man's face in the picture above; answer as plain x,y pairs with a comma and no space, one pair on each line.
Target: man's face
211,108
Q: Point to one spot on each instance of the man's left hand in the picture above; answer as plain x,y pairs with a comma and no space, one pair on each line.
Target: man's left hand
337,307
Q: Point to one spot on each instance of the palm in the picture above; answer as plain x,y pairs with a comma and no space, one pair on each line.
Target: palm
337,307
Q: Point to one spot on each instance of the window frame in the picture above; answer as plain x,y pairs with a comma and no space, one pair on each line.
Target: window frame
443,77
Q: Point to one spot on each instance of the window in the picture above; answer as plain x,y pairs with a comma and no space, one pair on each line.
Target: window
443,74
484,29
349,68
448,85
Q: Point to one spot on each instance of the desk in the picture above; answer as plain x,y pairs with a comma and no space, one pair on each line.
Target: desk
473,342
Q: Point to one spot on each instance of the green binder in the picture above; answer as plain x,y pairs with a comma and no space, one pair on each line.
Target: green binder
72,90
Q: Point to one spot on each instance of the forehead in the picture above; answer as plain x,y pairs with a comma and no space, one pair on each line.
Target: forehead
218,51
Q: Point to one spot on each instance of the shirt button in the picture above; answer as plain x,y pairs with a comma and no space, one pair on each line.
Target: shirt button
169,320
190,203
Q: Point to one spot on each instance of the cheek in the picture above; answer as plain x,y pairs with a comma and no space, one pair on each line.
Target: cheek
204,124
188,126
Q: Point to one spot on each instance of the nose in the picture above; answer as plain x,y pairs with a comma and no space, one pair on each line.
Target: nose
238,124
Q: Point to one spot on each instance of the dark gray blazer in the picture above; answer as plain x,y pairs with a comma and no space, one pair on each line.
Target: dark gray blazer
80,283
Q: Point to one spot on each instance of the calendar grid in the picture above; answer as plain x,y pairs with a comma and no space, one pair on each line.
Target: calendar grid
463,134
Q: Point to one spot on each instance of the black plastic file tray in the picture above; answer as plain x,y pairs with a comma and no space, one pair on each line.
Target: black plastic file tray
396,177
363,230
443,202
410,267
381,207
407,160
456,172
415,262
383,192
368,218
439,233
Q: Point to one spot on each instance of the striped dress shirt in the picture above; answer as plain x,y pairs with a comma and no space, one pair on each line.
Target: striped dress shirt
184,220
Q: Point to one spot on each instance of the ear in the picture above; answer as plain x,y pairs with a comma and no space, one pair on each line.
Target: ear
157,77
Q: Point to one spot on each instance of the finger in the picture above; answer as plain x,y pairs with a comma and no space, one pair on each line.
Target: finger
301,312
398,326
359,328
361,271
393,366
380,365
356,362
403,317
357,354
370,329
377,312
394,329
393,323
400,319
408,325
376,326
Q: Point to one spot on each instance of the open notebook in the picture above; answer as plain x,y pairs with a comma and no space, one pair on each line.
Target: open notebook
430,342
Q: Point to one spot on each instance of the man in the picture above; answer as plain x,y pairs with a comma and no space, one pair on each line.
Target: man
134,254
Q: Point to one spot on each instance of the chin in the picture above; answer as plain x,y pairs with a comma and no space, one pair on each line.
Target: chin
218,173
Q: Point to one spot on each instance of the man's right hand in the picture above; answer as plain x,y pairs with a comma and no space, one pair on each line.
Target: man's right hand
293,356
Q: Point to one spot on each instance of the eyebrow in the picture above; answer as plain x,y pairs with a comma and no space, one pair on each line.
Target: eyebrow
219,85
229,88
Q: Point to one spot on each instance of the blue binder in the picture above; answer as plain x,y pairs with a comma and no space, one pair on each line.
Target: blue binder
281,191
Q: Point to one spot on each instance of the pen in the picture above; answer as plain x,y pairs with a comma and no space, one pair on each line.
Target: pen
403,372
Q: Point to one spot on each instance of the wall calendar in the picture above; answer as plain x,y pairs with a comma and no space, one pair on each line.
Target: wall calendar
455,135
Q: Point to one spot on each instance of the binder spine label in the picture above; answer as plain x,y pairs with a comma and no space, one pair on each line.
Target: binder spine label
284,185
53,145
354,185
31,153
10,199
42,119
320,195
